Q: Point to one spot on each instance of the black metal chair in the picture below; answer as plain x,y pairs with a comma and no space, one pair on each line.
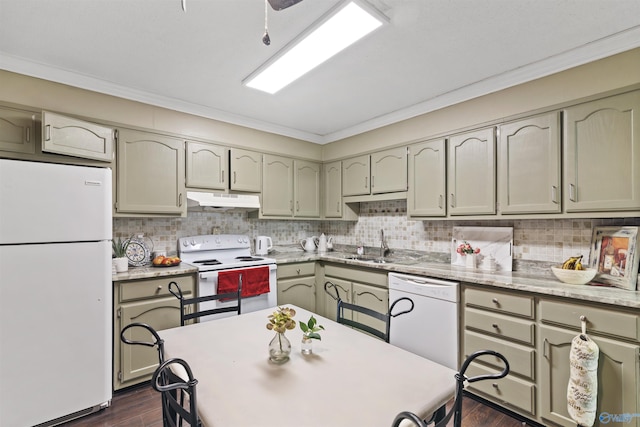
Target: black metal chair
190,307
371,314
179,403
456,411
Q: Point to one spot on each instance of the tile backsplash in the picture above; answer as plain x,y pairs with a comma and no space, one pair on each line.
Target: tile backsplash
548,240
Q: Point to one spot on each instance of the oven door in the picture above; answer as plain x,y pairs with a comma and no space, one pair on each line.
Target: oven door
208,285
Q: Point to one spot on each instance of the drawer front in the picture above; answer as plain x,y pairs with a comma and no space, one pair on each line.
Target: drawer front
149,288
606,321
509,390
521,359
511,328
500,302
361,275
295,270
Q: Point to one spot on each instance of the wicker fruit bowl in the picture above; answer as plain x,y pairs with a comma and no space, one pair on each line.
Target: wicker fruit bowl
574,277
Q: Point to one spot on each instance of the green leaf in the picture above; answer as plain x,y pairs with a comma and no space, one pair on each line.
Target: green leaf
314,335
303,326
311,322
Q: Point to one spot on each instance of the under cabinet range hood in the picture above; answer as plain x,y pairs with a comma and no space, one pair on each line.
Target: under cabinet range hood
222,201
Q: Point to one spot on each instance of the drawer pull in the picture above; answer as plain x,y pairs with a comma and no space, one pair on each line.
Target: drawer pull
494,385
495,301
495,326
298,270
159,287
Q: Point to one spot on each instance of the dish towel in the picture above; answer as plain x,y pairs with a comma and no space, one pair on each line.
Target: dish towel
582,392
255,281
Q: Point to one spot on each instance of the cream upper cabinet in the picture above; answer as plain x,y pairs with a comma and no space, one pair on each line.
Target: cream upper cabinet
356,175
602,154
332,180
529,165
471,173
73,137
277,186
206,166
389,171
246,170
306,189
150,174
17,131
427,179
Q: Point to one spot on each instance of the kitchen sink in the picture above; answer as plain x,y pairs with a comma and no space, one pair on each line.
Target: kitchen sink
364,258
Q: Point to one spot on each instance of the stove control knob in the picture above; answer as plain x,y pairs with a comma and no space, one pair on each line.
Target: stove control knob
218,241
185,243
239,239
193,243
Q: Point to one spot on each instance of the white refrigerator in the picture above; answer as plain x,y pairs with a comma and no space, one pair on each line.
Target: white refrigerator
55,292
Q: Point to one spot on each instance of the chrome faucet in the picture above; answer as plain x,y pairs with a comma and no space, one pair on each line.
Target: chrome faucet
384,248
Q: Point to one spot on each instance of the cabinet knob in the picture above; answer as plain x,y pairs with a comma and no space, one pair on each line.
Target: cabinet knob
159,287
298,270
495,326
494,385
495,301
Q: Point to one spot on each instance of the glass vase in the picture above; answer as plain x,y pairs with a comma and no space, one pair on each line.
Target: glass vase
307,345
279,348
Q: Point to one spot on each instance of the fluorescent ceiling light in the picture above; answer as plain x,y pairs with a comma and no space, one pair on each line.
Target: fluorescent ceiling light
331,34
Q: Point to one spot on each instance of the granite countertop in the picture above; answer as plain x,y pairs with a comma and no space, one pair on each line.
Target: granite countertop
149,271
536,282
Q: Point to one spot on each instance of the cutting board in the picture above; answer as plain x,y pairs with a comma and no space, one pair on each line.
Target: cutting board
492,241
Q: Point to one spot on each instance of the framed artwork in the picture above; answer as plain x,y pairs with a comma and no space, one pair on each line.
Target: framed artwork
614,255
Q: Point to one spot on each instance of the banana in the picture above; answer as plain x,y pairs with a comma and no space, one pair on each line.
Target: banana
578,264
572,263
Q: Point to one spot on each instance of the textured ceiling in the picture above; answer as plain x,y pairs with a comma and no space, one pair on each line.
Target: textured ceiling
431,54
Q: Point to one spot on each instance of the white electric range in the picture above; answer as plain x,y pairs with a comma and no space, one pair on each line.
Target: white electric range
222,252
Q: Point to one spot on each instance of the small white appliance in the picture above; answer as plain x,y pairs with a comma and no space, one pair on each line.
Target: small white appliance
215,253
263,245
55,292
431,329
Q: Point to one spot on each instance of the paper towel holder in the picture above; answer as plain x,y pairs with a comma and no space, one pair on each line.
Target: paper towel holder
583,323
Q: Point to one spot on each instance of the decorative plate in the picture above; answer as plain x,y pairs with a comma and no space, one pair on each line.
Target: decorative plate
137,252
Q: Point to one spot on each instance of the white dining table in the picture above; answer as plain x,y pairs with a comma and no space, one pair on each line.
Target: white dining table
350,379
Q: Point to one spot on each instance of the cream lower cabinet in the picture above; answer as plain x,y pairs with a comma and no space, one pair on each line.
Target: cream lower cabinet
145,301
602,154
207,166
150,174
73,137
365,287
245,170
529,166
297,285
17,131
471,173
426,195
616,332
534,333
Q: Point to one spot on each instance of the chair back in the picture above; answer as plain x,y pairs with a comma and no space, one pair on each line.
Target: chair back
365,313
157,342
179,401
441,418
190,307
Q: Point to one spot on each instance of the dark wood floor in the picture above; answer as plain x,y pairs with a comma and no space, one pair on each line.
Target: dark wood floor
140,407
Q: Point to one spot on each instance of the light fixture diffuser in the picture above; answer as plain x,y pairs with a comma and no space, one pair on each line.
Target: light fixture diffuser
330,35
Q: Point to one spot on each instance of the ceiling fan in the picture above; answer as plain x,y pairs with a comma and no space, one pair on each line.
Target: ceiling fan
282,4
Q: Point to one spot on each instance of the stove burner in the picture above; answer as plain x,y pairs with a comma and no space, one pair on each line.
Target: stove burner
208,262
248,258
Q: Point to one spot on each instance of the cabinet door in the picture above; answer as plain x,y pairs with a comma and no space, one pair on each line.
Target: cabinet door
277,186
371,297
389,171
150,173
330,305
529,165
246,170
206,166
471,173
306,184
72,137
617,377
602,154
332,206
17,131
300,291
355,176
427,177
139,362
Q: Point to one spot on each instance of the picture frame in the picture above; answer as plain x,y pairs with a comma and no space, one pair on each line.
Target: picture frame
614,255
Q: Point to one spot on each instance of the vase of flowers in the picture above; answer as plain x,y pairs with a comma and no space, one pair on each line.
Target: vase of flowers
309,333
469,253
279,322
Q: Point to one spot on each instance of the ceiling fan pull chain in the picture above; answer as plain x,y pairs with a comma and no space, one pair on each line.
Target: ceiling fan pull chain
265,38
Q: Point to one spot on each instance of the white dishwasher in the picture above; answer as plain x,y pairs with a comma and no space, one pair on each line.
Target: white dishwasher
431,329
